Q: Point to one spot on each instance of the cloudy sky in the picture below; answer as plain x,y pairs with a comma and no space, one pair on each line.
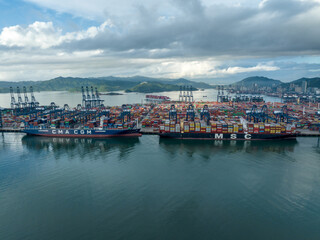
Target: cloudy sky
212,40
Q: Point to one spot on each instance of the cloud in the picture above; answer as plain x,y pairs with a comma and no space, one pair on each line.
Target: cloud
202,68
38,34
191,28
44,35
257,68
198,28
195,38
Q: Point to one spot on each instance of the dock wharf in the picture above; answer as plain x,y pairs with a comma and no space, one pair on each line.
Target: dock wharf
149,131
308,133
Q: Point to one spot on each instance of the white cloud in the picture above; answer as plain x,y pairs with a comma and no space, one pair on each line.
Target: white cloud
262,3
206,68
38,34
44,35
91,32
236,70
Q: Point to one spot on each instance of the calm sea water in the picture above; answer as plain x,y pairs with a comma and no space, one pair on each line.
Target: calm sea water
60,98
150,188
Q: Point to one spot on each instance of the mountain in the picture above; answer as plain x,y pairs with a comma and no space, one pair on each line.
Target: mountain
105,84
184,82
311,82
149,87
260,81
141,79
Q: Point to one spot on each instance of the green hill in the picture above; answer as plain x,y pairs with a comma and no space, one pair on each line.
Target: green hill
105,84
259,81
149,87
312,82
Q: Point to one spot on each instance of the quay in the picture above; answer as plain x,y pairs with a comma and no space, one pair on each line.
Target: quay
308,133
183,116
149,131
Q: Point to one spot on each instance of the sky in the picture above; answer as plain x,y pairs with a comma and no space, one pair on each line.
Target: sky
217,41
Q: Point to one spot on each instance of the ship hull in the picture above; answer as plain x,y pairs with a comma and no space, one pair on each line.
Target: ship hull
84,133
227,136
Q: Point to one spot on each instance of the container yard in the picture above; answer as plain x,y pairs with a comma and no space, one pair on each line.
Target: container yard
182,119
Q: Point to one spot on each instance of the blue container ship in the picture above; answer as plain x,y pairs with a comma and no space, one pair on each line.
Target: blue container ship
84,133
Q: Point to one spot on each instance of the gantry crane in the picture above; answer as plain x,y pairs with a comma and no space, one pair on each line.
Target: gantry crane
205,114
190,113
173,113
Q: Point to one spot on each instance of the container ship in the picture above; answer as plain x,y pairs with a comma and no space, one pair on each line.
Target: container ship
83,133
226,130
157,99
88,126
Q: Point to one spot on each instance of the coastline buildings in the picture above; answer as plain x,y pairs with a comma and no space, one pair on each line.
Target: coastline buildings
296,92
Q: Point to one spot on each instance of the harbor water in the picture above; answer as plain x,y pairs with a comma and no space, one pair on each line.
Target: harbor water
152,188
74,98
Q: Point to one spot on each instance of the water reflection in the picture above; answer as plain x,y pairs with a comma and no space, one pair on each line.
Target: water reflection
80,147
207,147
317,148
